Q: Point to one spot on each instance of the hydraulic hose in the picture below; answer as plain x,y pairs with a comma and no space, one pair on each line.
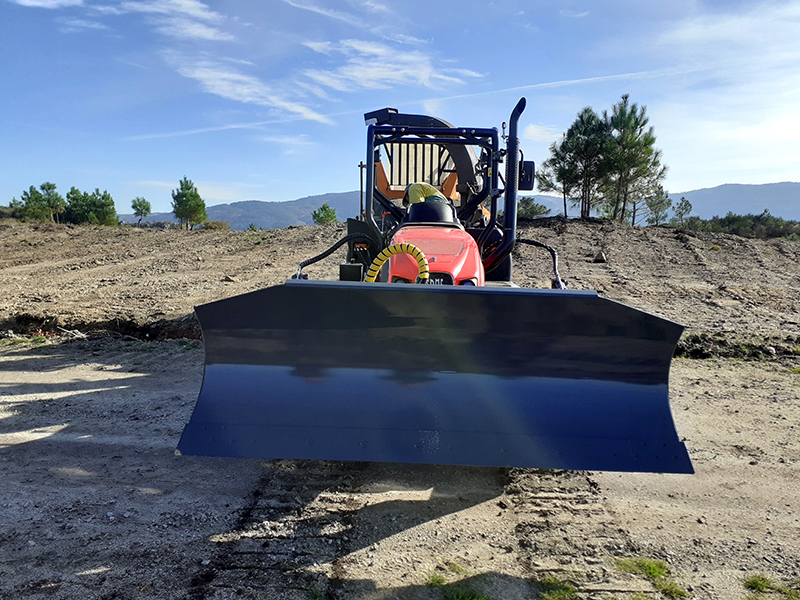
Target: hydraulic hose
558,283
331,250
404,248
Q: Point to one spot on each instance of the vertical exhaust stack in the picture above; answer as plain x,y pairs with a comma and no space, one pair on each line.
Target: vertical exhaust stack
510,196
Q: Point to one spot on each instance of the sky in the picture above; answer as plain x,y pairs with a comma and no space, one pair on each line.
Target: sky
265,100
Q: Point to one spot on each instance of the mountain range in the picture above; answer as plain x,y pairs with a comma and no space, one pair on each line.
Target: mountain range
781,199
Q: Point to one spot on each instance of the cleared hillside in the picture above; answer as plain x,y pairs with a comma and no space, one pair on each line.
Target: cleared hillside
145,282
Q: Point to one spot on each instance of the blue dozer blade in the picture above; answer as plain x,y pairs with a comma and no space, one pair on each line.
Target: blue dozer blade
436,374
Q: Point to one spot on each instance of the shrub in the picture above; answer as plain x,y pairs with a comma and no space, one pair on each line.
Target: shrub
217,225
763,226
324,215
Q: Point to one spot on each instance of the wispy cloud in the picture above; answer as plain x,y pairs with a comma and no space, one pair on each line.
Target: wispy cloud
403,38
373,65
226,81
49,3
338,15
156,184
377,18
182,19
289,144
573,14
188,8
187,29
540,133
375,7
256,125
77,25
199,130
653,74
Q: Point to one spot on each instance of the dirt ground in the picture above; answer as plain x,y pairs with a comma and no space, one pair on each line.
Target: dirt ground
101,363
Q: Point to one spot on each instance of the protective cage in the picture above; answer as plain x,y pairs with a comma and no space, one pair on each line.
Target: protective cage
436,374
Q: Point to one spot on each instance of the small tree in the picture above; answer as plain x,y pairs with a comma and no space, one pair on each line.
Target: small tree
657,206
187,205
528,208
141,208
324,215
43,204
33,204
53,200
197,211
682,210
557,173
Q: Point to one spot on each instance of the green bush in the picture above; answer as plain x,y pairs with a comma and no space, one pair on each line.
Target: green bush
217,225
96,208
324,215
528,208
763,226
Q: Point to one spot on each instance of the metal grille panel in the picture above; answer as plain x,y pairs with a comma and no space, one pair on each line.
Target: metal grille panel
414,162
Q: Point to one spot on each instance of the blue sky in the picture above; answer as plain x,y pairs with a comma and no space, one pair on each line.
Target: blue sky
265,100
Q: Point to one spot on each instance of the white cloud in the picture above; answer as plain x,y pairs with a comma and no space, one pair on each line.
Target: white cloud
168,185
312,89
372,65
49,3
187,29
106,10
463,72
328,12
375,7
73,25
289,144
638,75
540,133
320,47
189,8
573,14
225,81
404,38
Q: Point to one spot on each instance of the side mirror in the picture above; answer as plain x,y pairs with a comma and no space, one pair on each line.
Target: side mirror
527,172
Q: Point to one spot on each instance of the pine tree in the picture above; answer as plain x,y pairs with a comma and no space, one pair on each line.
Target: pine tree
635,169
141,208
187,205
324,215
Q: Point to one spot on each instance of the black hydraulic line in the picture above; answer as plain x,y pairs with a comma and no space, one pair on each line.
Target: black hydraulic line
348,238
558,282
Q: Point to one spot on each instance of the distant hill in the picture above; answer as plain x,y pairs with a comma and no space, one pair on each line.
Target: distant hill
781,199
270,215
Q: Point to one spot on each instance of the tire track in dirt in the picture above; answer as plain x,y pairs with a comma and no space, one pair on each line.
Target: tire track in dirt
315,529
297,518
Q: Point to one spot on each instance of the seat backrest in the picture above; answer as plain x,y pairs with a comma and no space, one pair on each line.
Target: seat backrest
431,212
